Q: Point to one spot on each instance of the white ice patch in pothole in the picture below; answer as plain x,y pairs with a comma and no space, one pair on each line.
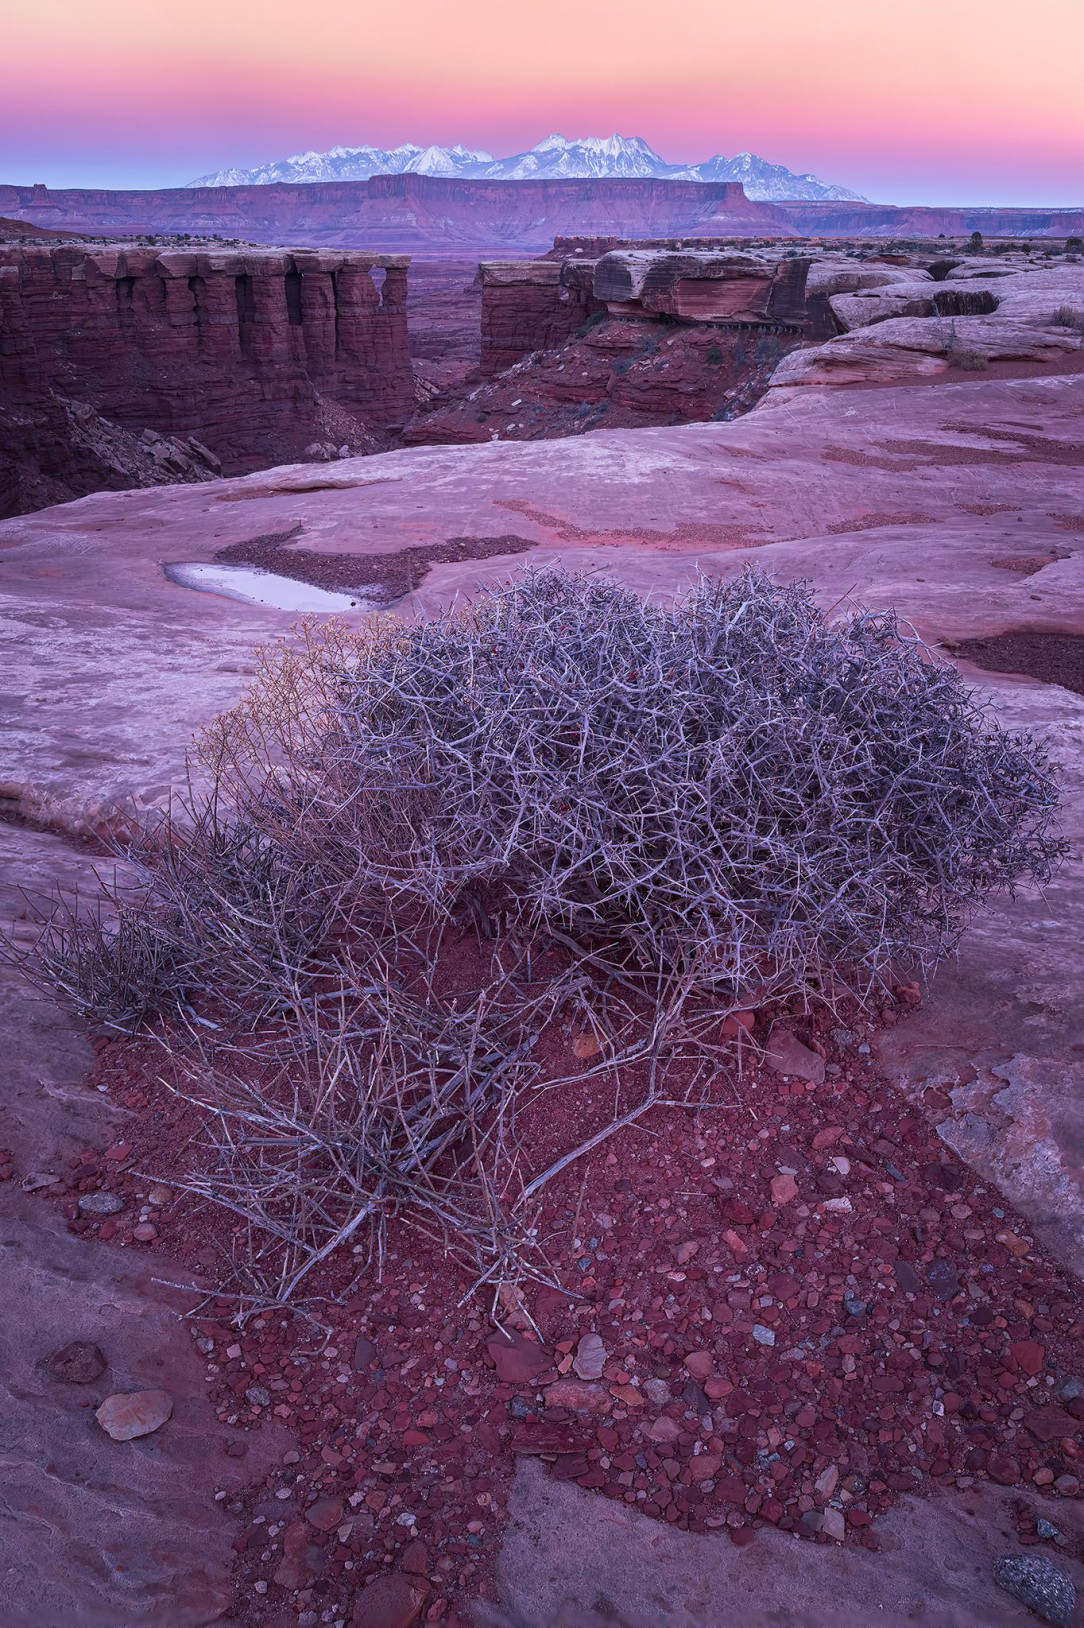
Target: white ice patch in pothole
255,587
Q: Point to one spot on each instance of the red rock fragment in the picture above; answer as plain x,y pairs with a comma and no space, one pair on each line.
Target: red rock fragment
300,1557
578,1395
827,1137
1051,1423
415,1558
786,1055
716,1388
784,1190
365,1354
737,1211
1028,1356
517,1359
702,1466
325,1514
394,1601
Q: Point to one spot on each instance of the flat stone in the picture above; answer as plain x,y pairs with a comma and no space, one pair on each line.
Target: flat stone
1040,1585
1051,1423
394,1601
35,1180
78,1363
787,1055
784,1190
906,1276
1028,1356
833,1524
325,1514
763,1335
943,1278
664,1429
590,1357
517,1359
300,1557
577,1395
125,1415
364,1354
100,1204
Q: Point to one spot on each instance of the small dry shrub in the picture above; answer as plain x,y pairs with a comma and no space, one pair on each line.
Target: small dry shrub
718,803
1066,316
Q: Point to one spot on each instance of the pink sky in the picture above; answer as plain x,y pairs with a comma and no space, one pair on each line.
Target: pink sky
972,101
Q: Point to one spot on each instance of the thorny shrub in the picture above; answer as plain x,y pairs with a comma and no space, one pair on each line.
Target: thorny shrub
711,805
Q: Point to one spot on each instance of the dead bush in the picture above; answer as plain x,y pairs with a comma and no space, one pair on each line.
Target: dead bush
1066,316
706,806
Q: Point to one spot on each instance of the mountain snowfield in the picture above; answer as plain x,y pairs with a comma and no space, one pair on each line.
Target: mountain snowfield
555,159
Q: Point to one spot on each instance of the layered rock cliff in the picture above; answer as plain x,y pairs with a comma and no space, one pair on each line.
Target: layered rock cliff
252,353
421,213
393,213
530,305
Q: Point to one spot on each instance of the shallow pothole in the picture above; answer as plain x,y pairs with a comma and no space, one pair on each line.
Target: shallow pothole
254,586
1053,658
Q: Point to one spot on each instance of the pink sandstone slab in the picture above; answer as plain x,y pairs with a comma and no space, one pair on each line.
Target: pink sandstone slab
571,1560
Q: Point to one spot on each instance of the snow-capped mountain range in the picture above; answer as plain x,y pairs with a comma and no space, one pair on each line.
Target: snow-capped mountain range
556,159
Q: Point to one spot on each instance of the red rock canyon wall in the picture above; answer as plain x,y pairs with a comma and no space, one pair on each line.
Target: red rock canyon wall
254,352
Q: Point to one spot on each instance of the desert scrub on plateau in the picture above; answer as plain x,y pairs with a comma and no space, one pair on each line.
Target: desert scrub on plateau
645,816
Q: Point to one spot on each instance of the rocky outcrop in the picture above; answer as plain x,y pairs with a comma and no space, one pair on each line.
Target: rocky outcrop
253,353
901,324
530,305
694,285
618,374
639,336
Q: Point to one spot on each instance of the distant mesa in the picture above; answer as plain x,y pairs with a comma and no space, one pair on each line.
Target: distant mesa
554,159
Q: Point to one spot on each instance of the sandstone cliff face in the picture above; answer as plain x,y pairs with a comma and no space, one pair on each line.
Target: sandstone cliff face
530,305
255,353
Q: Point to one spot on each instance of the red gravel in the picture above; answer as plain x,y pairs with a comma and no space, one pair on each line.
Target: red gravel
920,1337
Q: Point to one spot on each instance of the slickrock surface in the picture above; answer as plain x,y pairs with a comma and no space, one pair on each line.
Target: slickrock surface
567,1564
959,505
95,1532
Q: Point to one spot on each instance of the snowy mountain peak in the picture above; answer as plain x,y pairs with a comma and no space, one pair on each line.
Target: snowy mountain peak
555,158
